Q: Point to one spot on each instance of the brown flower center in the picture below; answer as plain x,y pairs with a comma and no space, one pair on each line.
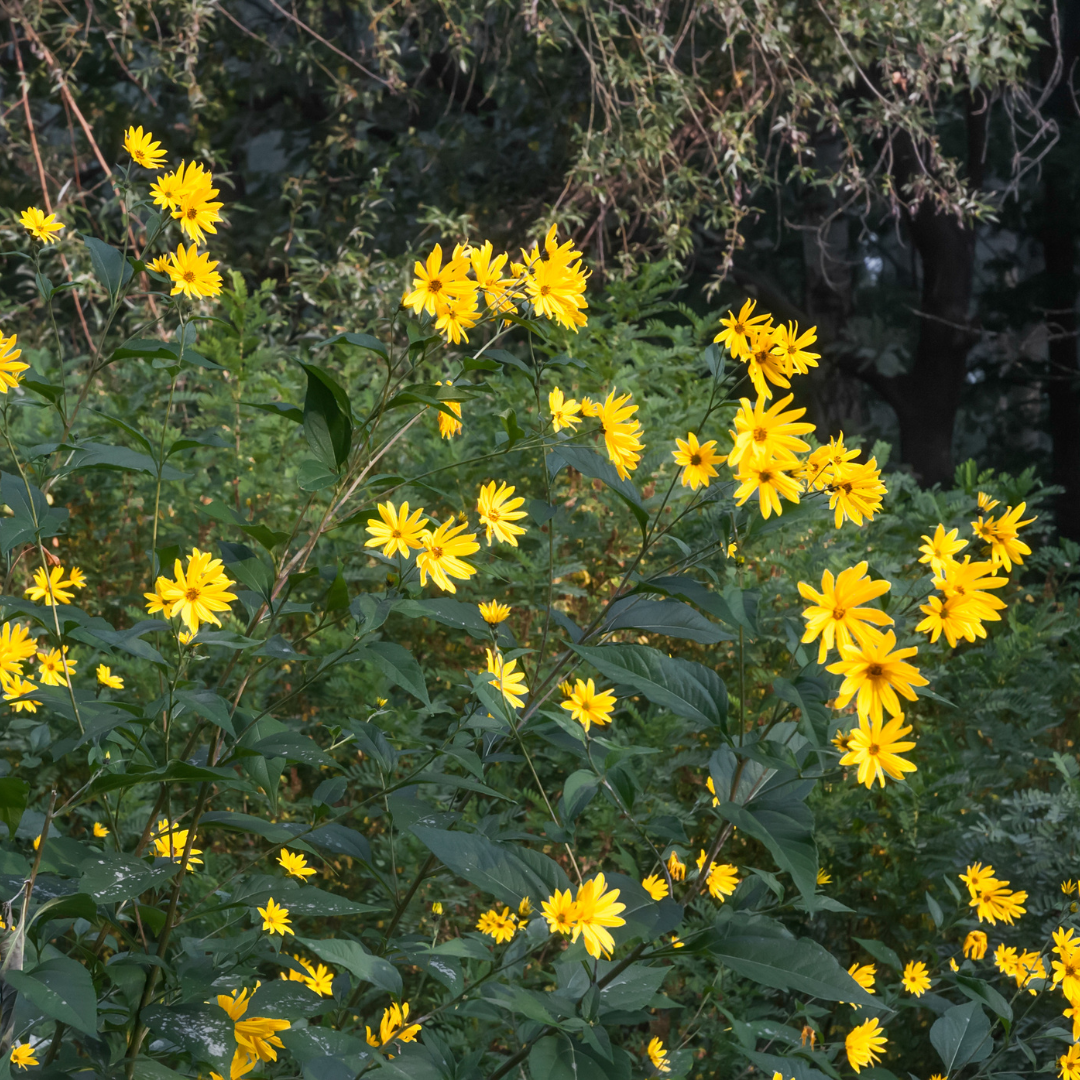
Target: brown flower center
874,671
192,594
760,434
839,613
695,459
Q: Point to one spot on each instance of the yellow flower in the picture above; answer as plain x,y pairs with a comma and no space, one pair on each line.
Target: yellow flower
434,283
698,461
916,978
763,432
441,555
821,464
1067,968
437,908
197,594
953,965
142,148
954,617
794,348
864,975
395,531
994,900
16,646
394,1025
54,667
564,411
975,945
15,686
556,285
509,683
589,707
940,549
275,918
493,612
498,511
876,671
197,212
41,227
763,364
295,865
256,1040
169,843
1001,534
736,330
50,589
560,911
160,265
1029,967
596,909
835,615
10,365
100,831
23,1056
525,907
107,678
501,927
156,600
236,1002
658,1055
770,478
1067,887
193,274
1073,1012
489,277
454,316
823,876
865,1044
876,750
969,582
622,434
712,790
185,636
1069,1063
448,426
856,491
655,886
170,188
676,867
319,980
723,877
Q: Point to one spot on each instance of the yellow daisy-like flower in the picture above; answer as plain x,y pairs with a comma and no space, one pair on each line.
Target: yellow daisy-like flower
559,910
50,589
40,226
835,615
100,831
193,274
655,886
525,907
876,671
394,1025
489,277
622,433
275,918
1069,1063
160,265
509,682
587,706
396,531
11,367
736,330
698,461
16,646
763,432
991,897
940,549
823,876
856,491
295,865
565,412
722,880
200,591
142,148
595,909
555,286
1002,534
197,211
442,554
54,667
658,1055
107,678
156,600
434,284
876,750
169,843
23,1056
448,426
793,347
975,945
501,927
676,867
770,479
916,978
493,612
437,908
764,365
455,316
865,1044
498,511
16,687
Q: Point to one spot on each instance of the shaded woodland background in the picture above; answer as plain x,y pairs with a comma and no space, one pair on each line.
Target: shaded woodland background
904,174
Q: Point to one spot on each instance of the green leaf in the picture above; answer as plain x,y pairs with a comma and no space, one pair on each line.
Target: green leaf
786,827
514,431
13,795
26,508
62,989
509,872
578,792
314,475
278,408
962,1036
985,994
763,950
557,1057
110,268
935,910
794,1066
73,906
240,560
363,341
399,666
590,463
668,617
289,1000
148,1069
327,418
882,953
113,877
292,746
357,961
213,706
633,988
685,687
204,1031
94,455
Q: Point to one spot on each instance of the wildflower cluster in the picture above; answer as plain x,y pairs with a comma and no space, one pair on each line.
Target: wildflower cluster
196,593
590,915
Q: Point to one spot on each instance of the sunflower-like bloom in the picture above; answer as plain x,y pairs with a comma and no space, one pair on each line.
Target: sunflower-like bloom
395,531
819,466
16,647
865,1044
596,909
555,286
953,617
876,748
275,918
794,348
676,867
456,315
763,365
508,681
41,226
498,511
622,433
55,667
916,978
435,284
442,554
589,706
295,865
763,432
23,1056
823,876
966,601
835,616
496,289
736,330
940,549
107,678
975,945
169,843
770,479
565,412
142,148
864,975
170,189
197,213
449,426
200,591
560,911
1067,967
319,979
193,274
991,897
1002,535
876,671
698,461
11,368
658,1055
493,612
16,689
856,491
502,927
53,590
655,886
722,880
1069,1062
394,1025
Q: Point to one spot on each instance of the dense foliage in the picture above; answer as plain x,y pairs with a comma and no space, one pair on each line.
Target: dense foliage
588,762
